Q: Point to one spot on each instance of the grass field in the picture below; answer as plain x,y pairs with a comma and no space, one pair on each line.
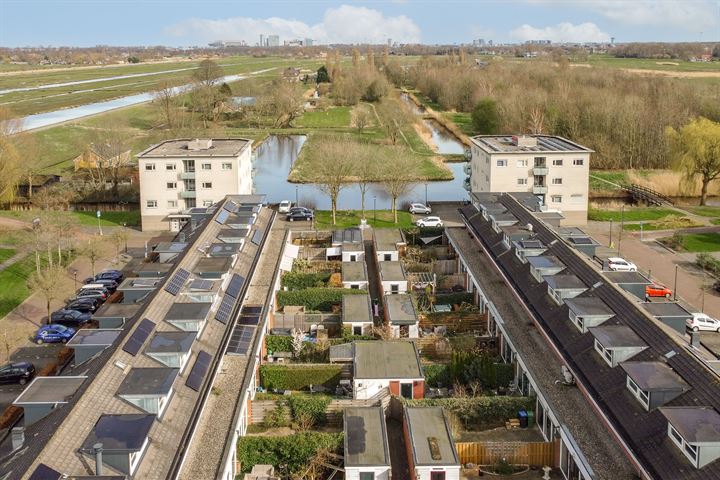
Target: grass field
351,218
6,253
13,284
86,219
462,120
705,211
630,214
651,64
701,242
330,118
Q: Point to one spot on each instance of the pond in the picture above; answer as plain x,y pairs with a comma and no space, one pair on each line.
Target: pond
273,160
444,140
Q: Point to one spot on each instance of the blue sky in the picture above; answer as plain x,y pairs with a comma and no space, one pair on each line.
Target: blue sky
197,22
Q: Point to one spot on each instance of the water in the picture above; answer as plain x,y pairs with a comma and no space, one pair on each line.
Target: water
446,142
274,158
46,119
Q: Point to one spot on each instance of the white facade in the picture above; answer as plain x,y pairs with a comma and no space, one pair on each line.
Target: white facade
553,168
425,473
380,473
178,175
364,389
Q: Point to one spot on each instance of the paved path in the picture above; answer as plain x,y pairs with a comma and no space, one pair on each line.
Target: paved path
12,260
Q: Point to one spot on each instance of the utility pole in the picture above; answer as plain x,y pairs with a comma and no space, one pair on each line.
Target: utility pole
675,285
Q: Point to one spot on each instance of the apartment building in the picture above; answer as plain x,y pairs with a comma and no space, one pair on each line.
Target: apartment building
178,175
553,168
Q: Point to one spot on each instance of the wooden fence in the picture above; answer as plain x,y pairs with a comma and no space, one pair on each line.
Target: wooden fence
515,453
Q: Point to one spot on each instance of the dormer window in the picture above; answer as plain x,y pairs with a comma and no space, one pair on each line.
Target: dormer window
695,431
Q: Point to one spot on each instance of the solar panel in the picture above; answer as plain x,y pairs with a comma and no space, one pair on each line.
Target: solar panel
248,320
235,285
177,281
241,340
138,337
225,309
257,236
199,284
199,369
251,309
222,217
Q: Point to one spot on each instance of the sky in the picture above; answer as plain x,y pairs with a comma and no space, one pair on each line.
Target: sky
198,22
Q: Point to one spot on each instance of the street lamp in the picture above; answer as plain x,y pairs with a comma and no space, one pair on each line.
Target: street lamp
675,285
425,193
296,195
126,235
74,273
374,210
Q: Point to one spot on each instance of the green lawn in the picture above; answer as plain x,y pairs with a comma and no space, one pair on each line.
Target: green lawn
632,214
614,176
87,219
351,218
6,253
602,60
715,221
332,117
462,120
13,284
701,242
705,211
635,227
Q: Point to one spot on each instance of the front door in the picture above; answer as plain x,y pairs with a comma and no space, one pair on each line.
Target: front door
406,390
437,475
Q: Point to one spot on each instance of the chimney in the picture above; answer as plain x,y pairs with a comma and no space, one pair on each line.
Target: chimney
18,437
98,449
524,141
200,144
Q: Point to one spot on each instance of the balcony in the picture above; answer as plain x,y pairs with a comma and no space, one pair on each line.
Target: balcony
539,189
540,171
466,184
187,175
188,194
467,168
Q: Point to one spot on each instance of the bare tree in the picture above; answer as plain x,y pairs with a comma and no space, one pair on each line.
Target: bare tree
119,237
108,157
10,160
397,177
361,118
384,332
283,103
332,167
366,170
207,73
93,251
47,282
164,98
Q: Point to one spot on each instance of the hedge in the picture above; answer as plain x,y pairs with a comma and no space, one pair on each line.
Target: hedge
279,343
312,405
453,298
321,299
479,412
299,281
437,375
299,377
290,454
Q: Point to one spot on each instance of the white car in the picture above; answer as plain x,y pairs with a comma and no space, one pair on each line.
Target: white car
420,208
702,322
617,264
284,206
429,222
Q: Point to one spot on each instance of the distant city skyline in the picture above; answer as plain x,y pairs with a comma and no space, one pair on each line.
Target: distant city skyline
197,23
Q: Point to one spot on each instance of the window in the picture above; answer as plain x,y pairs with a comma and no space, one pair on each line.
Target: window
557,181
579,162
207,203
557,162
556,198
151,203
150,167
189,165
207,166
227,166
641,395
437,475
170,166
367,475
190,203
172,203
675,435
604,353
522,163
388,257
394,288
522,181
171,185
206,184
357,330
501,163
355,286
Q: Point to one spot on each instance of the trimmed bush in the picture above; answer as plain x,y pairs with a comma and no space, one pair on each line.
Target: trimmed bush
279,343
313,406
453,298
290,453
479,412
299,377
321,299
436,375
299,281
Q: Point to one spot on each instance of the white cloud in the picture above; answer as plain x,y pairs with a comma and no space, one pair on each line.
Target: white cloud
344,24
562,32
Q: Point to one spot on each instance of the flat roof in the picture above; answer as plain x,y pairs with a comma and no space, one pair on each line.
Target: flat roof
563,282
616,336
354,272
695,424
545,144
377,359
485,197
654,376
112,310
140,283
348,235
119,433
545,261
430,436
213,265
148,381
223,249
582,241
666,309
170,247
171,342
188,311
366,441
531,244
356,308
352,247
589,306
387,239
94,337
392,271
221,147
154,267
341,353
627,278
400,309
49,390
503,217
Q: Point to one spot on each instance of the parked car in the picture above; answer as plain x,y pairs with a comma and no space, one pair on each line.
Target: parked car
110,285
701,322
285,206
54,333
17,372
72,317
420,208
656,290
116,275
299,209
429,222
617,264
96,294
83,304
305,214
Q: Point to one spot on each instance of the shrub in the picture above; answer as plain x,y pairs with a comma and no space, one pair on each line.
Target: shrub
299,377
277,417
453,298
485,117
321,299
299,281
708,262
437,375
290,452
479,412
313,406
279,343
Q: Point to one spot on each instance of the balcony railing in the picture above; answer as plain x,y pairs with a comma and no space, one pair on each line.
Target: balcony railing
540,189
467,168
188,194
540,171
187,175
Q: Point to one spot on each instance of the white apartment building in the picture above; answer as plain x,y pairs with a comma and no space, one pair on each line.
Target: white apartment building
178,175
553,168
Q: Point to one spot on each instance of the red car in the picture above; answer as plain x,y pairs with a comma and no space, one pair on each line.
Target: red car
657,291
